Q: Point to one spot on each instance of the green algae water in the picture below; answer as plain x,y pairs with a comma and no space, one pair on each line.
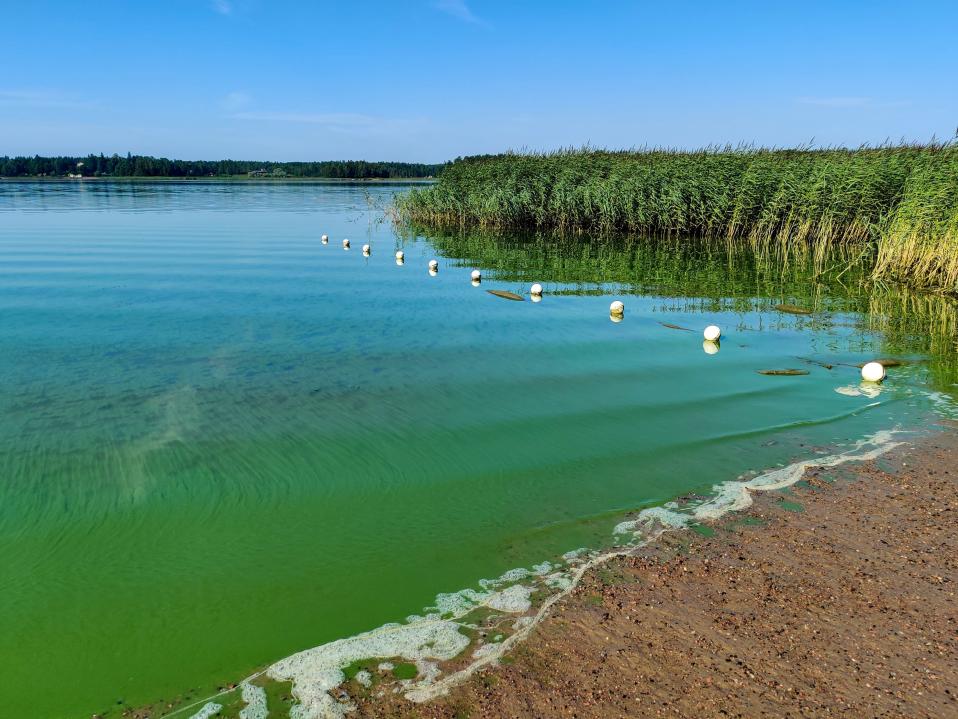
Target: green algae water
224,441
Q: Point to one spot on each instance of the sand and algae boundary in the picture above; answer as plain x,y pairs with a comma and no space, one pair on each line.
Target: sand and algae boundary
470,630
835,597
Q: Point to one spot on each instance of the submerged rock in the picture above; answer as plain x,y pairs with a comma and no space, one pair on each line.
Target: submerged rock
793,309
506,295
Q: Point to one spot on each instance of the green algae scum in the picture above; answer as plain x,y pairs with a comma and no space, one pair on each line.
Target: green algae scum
242,469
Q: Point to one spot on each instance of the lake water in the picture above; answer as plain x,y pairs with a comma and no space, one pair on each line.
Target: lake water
224,442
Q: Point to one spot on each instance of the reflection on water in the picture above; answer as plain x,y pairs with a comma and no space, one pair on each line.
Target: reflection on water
223,441
707,277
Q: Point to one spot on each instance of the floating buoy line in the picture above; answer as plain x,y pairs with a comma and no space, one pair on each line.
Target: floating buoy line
872,373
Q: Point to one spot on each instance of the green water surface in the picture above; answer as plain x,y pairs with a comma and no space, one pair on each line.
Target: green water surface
222,441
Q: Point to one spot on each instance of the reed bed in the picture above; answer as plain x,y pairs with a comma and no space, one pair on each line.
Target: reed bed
896,205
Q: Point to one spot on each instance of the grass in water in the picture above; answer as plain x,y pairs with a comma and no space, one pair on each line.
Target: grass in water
896,205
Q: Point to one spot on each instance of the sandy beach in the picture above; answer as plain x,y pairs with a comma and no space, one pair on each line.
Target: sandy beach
835,598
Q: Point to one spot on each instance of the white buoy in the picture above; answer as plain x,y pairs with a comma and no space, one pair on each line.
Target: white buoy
345,244
400,261
711,347
617,308
433,266
536,290
400,255
325,239
475,283
476,275
432,272
712,333
366,250
616,318
873,372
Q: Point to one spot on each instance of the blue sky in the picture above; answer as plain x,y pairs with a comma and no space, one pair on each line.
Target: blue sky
432,79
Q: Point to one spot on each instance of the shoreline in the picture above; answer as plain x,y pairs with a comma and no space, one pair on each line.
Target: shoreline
449,666
835,596
234,179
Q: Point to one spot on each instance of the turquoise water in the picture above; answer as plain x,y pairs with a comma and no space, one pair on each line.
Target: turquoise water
224,442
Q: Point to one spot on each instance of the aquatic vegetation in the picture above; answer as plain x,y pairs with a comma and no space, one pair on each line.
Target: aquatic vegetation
707,276
895,205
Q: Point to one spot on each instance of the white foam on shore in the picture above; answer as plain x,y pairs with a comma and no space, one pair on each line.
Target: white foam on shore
514,600
661,515
650,525
317,671
255,698
523,626
209,709
736,496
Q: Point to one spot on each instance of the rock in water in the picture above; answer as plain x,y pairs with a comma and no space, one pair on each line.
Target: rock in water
506,295
793,309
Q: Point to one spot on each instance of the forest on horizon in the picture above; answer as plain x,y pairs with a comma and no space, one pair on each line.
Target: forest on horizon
146,166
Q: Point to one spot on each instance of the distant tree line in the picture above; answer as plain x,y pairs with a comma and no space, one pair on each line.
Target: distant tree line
146,166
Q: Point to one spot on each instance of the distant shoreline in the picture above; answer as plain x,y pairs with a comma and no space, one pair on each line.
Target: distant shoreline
237,178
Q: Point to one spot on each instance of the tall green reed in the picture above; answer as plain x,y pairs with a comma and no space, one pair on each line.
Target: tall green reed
897,205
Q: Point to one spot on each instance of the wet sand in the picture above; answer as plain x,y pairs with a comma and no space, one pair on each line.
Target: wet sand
833,599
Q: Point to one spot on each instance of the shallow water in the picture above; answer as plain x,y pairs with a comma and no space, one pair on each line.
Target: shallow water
224,442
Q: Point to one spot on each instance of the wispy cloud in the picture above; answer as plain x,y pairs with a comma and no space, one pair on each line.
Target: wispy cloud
43,99
236,100
459,10
309,118
835,101
863,102
223,7
338,122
